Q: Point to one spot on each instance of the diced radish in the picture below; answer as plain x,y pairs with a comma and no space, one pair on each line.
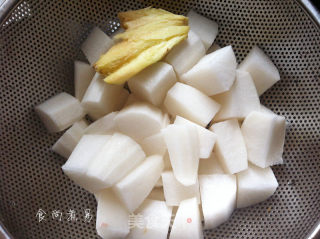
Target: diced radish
159,183
264,135
166,160
104,125
101,98
185,55
95,45
214,73
156,194
210,165
139,120
137,185
183,147
187,223
153,83
240,100
218,197
230,146
112,217
122,100
175,192
156,221
266,110
166,120
132,99
82,157
255,185
115,160
213,48
190,103
204,27
68,141
83,74
262,70
206,137
59,112
154,144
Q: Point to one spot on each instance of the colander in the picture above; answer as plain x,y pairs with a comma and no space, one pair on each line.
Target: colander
39,41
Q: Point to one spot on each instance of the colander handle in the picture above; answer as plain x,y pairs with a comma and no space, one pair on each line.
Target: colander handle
5,7
315,232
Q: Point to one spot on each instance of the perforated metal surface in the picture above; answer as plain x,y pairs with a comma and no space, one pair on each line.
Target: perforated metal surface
39,42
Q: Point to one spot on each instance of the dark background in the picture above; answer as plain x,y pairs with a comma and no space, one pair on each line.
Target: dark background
316,3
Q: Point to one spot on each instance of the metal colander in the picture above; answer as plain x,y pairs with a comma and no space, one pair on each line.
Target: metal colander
39,40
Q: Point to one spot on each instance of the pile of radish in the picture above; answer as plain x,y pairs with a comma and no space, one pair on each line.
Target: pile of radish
191,136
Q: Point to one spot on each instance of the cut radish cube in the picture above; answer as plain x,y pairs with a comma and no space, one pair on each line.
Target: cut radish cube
175,192
139,120
137,185
59,112
264,135
265,110
153,83
166,160
81,158
210,165
159,183
156,221
214,73
206,137
218,197
112,217
101,98
185,55
183,146
262,70
187,223
104,125
68,141
122,100
156,194
255,185
83,74
230,146
132,99
191,104
116,159
213,48
240,100
205,28
95,45
154,144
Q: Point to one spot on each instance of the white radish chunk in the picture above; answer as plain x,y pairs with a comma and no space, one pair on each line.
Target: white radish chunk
153,83
183,146
264,135
68,141
175,192
210,165
156,221
187,223
204,27
214,73
83,74
59,112
186,54
255,185
121,101
166,160
104,125
154,144
115,160
159,183
101,98
230,146
207,138
132,99
139,120
156,194
95,45
262,70
190,103
218,197
134,188
240,100
81,158
112,216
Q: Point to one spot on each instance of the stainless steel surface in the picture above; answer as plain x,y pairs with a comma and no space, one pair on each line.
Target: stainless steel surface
39,41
